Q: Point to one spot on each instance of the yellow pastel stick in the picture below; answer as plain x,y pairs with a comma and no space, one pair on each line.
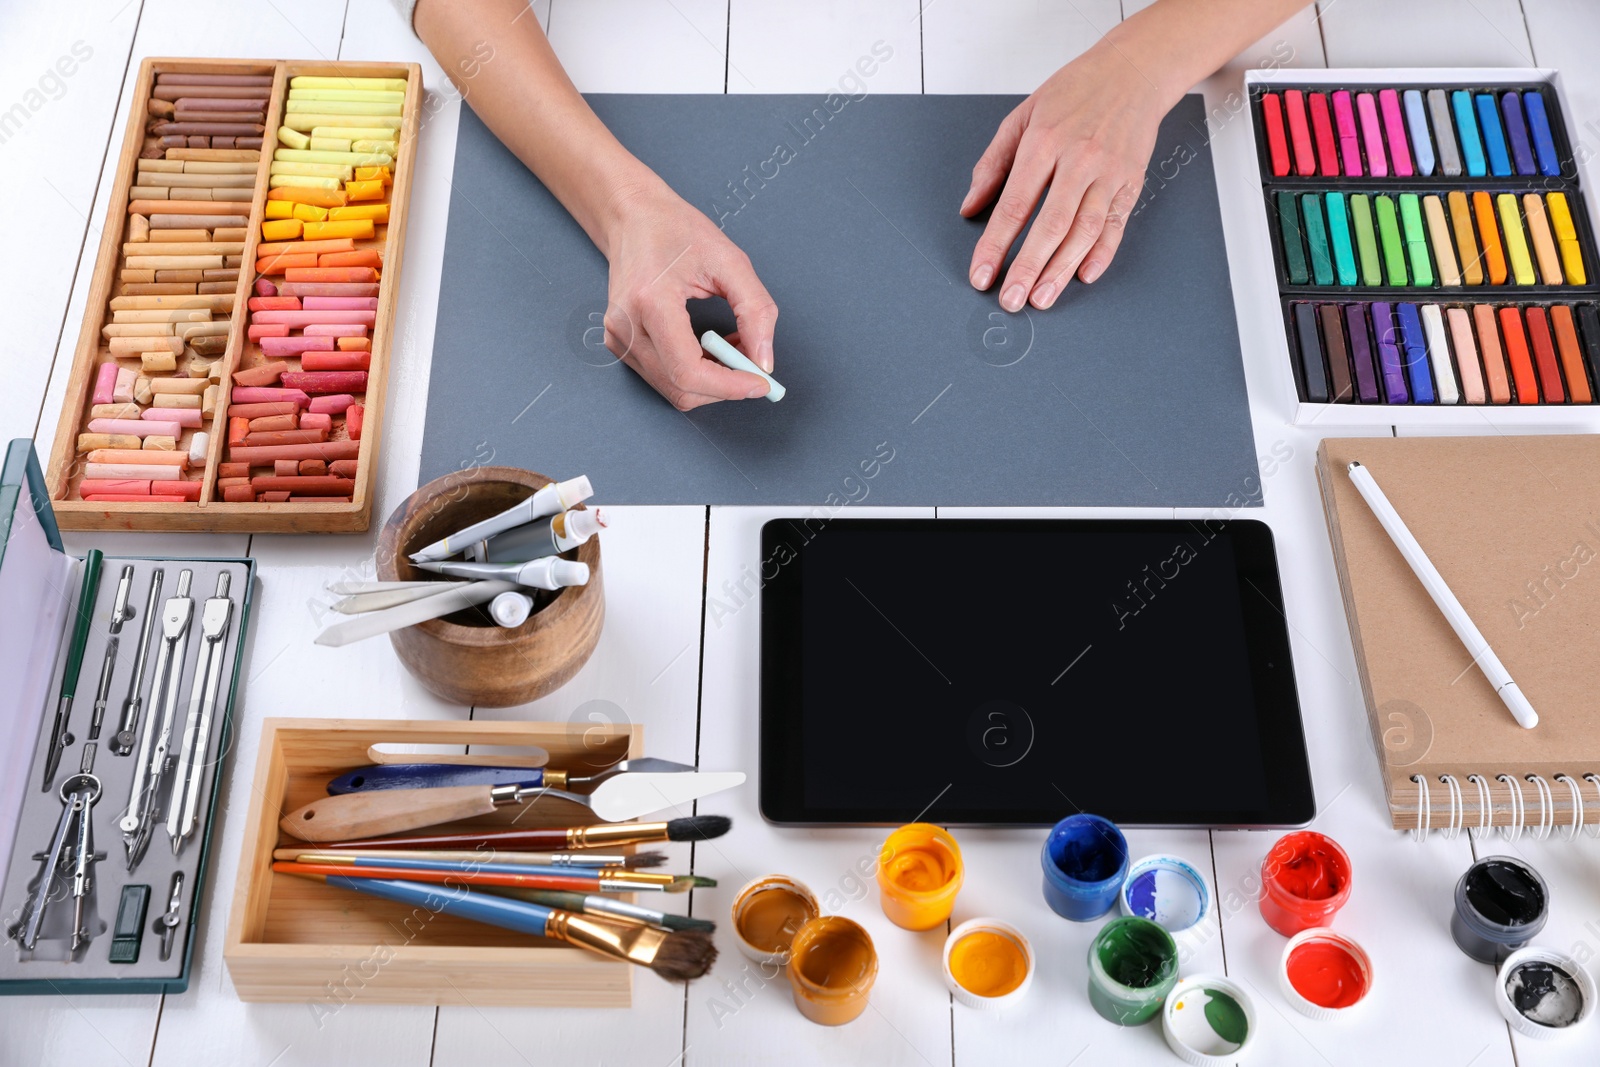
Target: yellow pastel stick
330,144
308,121
367,174
1516,240
342,107
311,81
387,96
281,230
304,181
306,212
369,144
357,133
356,228
364,190
378,213
293,138
342,171
279,209
349,159
1566,237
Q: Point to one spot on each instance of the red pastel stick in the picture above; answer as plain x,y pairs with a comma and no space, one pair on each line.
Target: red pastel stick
354,416
1544,357
108,486
324,382
125,498
312,361
1305,161
1322,128
1277,144
185,489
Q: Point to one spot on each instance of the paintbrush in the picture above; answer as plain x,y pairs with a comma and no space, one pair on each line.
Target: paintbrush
671,883
678,956
618,882
580,860
605,907
694,828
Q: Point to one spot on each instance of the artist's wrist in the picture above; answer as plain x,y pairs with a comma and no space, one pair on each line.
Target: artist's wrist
1156,77
627,201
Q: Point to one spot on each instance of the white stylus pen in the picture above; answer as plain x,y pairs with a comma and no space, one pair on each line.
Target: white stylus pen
1454,613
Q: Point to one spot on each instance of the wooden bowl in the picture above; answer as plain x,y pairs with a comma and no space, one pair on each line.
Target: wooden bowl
466,658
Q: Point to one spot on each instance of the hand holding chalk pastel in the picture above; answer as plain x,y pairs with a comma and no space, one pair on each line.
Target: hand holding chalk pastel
730,357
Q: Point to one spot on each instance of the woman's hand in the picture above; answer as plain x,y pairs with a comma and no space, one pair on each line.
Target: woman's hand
663,252
1081,142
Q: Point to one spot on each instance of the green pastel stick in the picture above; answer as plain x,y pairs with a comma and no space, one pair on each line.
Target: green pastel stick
1416,239
1366,239
1294,246
1344,254
1394,249
1317,238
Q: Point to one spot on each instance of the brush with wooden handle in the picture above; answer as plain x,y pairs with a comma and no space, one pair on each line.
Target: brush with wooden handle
393,811
693,828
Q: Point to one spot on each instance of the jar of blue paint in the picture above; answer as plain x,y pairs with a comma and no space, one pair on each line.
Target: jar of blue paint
1085,860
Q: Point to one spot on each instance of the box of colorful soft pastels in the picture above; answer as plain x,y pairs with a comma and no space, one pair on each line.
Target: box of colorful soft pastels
1432,243
121,676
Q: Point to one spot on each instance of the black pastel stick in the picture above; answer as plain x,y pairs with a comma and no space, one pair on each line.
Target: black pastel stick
1316,376
1338,354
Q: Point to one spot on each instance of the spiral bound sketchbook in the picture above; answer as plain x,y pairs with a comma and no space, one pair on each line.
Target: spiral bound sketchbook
1513,526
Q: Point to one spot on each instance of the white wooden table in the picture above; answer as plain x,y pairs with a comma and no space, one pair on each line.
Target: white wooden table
690,676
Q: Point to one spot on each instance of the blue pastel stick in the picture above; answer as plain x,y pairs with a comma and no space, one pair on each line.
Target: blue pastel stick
1421,141
1416,354
1390,368
1544,143
1494,139
1517,132
1467,127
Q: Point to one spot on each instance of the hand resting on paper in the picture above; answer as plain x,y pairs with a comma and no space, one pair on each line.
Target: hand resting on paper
1077,148
662,252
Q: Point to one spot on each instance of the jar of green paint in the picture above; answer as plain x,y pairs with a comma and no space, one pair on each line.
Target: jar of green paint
1133,965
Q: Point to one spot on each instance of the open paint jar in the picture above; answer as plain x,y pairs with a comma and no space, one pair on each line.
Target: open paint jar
1133,965
987,963
767,913
1305,880
832,965
1323,972
1542,993
1166,890
1085,859
1501,905
919,875
1208,1019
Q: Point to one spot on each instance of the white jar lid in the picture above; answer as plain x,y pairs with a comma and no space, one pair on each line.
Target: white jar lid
1208,1019
1324,939
1543,993
1167,890
966,996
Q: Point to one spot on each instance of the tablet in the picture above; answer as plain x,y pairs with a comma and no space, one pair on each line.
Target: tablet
1014,671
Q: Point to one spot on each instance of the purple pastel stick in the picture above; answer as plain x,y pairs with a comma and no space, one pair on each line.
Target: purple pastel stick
1389,362
1517,133
1355,318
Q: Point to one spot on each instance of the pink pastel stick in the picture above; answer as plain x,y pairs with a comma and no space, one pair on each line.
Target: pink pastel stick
327,329
128,486
105,383
1394,125
327,382
303,318
265,288
189,417
316,421
293,346
268,329
339,303
138,427
1344,118
265,394
1372,135
330,405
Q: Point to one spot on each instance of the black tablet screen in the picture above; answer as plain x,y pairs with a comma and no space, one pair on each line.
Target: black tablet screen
1018,670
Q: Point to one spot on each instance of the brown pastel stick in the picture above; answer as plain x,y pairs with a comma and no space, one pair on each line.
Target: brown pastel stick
138,229
343,468
229,483
194,276
173,142
285,437
257,411
208,129
247,142
215,155
279,497
288,288
174,93
164,78
266,374
90,442
183,114
218,287
263,455
203,102
313,468
239,494
190,222
196,140
286,468
209,346
273,423
181,207
179,236
233,470
188,490
159,109
157,288
125,275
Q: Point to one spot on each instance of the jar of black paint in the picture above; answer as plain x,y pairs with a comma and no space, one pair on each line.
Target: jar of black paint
1501,905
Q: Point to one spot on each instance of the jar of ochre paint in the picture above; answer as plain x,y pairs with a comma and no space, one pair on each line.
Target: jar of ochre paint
1085,860
832,965
1305,880
1501,905
1133,965
767,913
919,875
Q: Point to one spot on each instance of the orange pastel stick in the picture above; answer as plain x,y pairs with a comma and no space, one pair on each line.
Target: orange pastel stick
331,244
331,274
353,344
1522,375
1571,354
239,494
365,257
301,194
1494,256
279,264
1494,360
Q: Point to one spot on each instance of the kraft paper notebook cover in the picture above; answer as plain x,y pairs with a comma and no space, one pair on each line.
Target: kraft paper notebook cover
1513,526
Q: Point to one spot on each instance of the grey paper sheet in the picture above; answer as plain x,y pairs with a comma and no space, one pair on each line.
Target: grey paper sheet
1126,393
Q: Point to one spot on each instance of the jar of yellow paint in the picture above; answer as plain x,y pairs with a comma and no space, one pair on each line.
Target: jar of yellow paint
919,875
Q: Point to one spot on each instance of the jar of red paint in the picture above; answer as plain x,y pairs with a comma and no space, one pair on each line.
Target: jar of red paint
1305,880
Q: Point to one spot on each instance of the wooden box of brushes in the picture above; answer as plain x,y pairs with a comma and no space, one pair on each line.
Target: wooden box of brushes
295,939
198,400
